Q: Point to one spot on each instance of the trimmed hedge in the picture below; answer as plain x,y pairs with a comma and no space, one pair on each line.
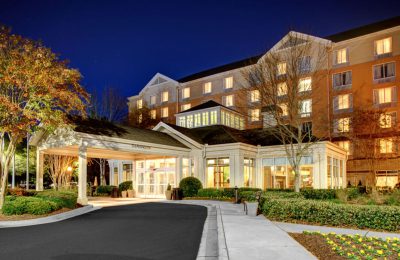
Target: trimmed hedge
65,199
318,194
105,189
126,185
210,193
18,205
328,213
190,186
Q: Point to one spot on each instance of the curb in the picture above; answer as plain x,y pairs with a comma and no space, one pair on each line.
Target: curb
49,219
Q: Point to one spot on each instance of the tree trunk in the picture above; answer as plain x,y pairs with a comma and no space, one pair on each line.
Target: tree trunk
296,179
102,172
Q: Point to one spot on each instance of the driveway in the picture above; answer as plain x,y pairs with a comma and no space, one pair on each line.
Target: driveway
137,232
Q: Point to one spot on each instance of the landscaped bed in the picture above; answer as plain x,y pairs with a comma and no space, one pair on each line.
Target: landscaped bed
334,246
42,203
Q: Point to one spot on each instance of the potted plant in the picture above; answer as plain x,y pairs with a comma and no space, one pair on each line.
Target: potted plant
168,192
124,187
251,207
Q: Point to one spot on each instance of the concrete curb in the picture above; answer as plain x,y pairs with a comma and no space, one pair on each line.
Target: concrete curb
49,219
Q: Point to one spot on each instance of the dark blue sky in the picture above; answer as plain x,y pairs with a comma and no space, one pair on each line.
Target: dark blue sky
124,43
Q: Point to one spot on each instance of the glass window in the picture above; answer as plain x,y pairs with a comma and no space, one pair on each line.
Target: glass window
218,175
223,115
387,120
305,64
164,96
213,118
164,112
139,104
205,119
282,89
285,110
384,95
228,82
185,167
152,100
249,173
140,118
182,121
342,102
342,79
254,115
197,120
345,145
342,125
255,95
186,92
228,100
185,107
386,145
153,114
383,46
329,172
281,68
189,121
386,70
207,88
341,56
305,84
306,108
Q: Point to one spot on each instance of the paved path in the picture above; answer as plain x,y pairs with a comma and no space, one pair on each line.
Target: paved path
299,228
136,232
252,238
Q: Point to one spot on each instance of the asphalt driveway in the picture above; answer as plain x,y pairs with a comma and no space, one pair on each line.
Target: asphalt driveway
137,232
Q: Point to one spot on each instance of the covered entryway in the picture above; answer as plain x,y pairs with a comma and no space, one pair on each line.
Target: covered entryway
158,154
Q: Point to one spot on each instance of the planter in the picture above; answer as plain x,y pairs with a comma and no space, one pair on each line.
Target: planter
124,194
131,193
168,194
251,208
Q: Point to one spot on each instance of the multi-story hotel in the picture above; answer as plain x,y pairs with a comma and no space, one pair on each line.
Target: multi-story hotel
207,127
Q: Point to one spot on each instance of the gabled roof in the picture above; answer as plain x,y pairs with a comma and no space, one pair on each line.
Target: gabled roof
223,68
208,104
157,79
365,29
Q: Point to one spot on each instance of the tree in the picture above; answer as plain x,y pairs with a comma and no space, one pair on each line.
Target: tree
108,105
37,92
141,116
60,169
287,82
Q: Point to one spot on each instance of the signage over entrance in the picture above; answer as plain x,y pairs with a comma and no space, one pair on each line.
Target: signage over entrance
141,147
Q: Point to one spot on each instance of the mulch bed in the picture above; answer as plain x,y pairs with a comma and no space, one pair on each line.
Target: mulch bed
29,216
317,246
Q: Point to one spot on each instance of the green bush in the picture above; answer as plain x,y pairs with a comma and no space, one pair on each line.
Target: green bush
393,198
126,185
248,196
65,199
328,213
210,193
28,205
228,192
190,186
105,189
318,194
279,190
282,195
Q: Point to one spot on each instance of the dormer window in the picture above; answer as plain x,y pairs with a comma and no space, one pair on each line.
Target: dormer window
186,93
383,46
281,67
139,104
228,83
341,56
164,96
207,88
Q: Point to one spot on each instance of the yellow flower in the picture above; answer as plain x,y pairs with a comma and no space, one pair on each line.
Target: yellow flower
380,252
362,251
360,239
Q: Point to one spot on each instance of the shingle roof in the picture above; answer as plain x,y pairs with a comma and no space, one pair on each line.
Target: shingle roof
208,104
223,68
366,29
104,128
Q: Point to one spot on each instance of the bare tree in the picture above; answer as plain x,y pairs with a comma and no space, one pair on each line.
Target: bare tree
108,105
286,81
141,116
60,168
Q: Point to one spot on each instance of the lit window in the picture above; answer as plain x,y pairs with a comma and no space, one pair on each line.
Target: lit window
140,118
384,95
197,120
305,84
228,100
228,82
213,118
207,88
189,121
282,89
186,93
152,100
281,68
386,70
153,114
254,115
185,107
285,110
345,145
386,120
342,102
342,79
139,104
306,108
342,125
164,112
383,46
182,121
341,56
255,95
386,145
205,118
164,96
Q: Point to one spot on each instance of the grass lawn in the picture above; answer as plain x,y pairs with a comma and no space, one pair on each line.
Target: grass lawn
333,246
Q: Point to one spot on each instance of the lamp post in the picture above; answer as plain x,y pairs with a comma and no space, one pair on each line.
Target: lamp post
236,194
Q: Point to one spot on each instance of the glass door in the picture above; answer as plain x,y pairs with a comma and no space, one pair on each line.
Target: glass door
218,175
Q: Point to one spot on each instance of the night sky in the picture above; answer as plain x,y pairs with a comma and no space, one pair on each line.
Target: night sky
124,43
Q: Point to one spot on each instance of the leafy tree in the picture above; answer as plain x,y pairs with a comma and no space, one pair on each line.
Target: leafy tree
37,92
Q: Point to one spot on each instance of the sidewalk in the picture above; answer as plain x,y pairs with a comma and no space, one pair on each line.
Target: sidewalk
251,237
299,228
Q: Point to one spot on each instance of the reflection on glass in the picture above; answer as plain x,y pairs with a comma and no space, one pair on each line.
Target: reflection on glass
218,175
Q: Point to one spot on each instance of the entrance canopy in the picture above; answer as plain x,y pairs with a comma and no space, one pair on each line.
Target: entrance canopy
98,139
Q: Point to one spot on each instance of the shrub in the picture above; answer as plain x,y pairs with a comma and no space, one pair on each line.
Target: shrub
190,186
282,195
328,213
28,205
318,194
20,192
248,196
126,185
210,193
280,190
65,199
393,198
105,189
228,192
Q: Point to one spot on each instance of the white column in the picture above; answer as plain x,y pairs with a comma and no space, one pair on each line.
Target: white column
259,173
82,175
178,170
39,170
111,170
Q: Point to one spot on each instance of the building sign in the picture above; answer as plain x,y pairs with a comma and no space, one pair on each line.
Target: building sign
141,147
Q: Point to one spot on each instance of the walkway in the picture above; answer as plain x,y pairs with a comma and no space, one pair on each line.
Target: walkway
253,238
299,228
110,202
